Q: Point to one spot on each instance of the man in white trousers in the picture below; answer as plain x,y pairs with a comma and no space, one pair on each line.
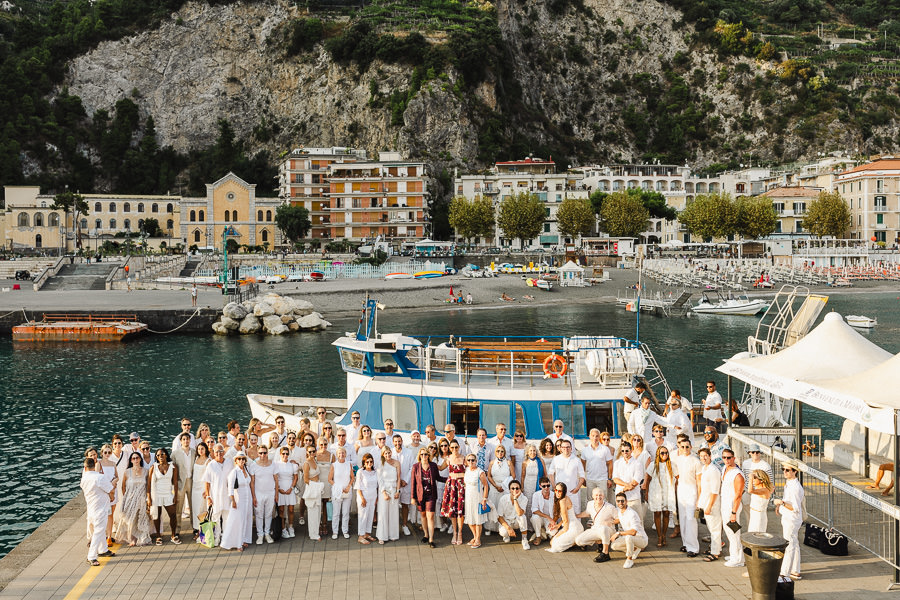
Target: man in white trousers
602,515
541,512
631,537
215,481
689,468
511,514
98,493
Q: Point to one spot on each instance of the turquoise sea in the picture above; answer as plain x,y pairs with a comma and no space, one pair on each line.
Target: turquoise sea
57,400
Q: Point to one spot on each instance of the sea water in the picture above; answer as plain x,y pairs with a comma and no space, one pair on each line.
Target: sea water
59,399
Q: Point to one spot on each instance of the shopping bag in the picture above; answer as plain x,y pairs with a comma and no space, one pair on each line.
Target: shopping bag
277,527
814,536
834,543
207,535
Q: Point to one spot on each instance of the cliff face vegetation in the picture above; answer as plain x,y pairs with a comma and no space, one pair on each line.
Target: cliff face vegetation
178,92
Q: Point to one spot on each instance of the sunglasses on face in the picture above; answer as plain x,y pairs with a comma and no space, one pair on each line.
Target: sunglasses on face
545,486
320,412
470,460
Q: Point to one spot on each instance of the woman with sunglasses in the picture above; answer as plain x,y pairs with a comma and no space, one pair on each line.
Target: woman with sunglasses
312,493
341,480
790,508
264,485
111,474
364,443
434,451
661,492
517,450
566,527
499,473
476,499
531,473
453,502
238,532
198,487
285,482
761,489
203,435
162,489
327,433
424,492
366,498
133,523
388,497
324,459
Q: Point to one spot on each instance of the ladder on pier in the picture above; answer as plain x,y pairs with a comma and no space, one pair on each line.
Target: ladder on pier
652,378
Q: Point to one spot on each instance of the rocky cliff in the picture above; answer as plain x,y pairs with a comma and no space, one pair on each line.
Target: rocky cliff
583,80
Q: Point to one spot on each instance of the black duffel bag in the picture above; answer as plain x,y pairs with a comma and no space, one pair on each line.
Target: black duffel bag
828,541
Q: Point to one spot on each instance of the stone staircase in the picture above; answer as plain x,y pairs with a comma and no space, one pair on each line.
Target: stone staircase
189,267
81,277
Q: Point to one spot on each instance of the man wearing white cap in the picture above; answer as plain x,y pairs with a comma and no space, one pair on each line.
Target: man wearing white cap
677,421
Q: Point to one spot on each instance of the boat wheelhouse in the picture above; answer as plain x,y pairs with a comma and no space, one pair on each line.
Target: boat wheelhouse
475,381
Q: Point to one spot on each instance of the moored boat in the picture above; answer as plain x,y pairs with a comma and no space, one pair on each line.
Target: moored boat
861,322
731,305
79,328
477,381
398,276
428,274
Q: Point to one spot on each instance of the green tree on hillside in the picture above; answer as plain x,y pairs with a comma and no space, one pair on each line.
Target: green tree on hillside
472,218
574,217
827,215
710,216
293,221
624,215
521,216
75,203
654,202
755,217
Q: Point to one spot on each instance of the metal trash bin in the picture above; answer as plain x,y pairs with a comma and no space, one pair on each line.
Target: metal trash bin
763,553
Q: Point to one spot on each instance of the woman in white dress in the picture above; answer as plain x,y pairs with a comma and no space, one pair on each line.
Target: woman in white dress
341,480
285,481
517,450
163,489
661,492
476,499
111,473
366,498
761,489
500,472
120,457
324,458
133,522
365,444
547,452
565,524
264,486
198,487
532,469
312,493
388,498
238,531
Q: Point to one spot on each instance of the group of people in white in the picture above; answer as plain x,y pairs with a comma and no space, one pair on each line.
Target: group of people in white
273,480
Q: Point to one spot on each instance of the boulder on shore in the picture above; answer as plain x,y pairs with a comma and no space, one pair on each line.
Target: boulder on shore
229,323
273,326
263,309
313,322
235,311
250,324
271,314
220,329
303,308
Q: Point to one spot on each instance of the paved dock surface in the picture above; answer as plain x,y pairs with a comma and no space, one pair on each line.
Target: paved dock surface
343,569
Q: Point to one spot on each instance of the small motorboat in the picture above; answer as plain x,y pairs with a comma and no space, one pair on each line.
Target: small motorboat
731,305
398,276
539,283
861,322
315,276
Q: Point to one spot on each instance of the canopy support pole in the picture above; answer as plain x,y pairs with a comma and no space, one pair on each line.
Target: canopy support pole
798,435
866,460
896,582
728,415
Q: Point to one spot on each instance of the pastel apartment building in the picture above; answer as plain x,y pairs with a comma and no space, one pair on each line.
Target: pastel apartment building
872,192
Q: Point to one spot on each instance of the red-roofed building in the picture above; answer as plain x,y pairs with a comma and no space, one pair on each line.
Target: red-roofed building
872,191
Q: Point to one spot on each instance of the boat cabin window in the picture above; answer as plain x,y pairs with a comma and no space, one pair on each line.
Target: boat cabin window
439,405
573,417
402,409
464,416
520,421
353,361
491,414
547,417
599,415
385,363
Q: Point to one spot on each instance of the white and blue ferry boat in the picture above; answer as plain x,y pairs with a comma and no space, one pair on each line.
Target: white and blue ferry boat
477,381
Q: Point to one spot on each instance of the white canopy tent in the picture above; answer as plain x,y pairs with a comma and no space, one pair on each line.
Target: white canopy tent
832,349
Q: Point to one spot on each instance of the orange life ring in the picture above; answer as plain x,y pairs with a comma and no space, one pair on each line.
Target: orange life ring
555,366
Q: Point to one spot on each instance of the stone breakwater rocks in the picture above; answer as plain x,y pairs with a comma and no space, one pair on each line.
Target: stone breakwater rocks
271,314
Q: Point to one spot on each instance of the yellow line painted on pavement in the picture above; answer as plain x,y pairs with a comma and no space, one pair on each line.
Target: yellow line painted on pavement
89,576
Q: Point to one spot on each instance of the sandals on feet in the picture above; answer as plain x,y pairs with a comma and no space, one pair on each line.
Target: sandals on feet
176,539
710,558
159,541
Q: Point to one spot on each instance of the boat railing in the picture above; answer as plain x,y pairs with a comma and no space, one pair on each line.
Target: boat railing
89,318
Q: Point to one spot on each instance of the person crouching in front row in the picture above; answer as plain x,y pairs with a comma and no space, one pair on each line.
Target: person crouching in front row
631,537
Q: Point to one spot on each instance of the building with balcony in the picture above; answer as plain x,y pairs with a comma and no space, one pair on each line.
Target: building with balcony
533,175
872,192
303,180
387,198
790,205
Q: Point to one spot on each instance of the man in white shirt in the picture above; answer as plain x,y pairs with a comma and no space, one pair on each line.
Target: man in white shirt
483,451
450,435
541,512
406,458
234,428
389,429
628,473
677,420
317,425
631,537
342,442
712,407
215,481
240,445
185,428
430,435
643,419
633,399
183,457
602,515
98,491
281,431
567,468
558,433
501,439
598,464
688,468
511,514
353,428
